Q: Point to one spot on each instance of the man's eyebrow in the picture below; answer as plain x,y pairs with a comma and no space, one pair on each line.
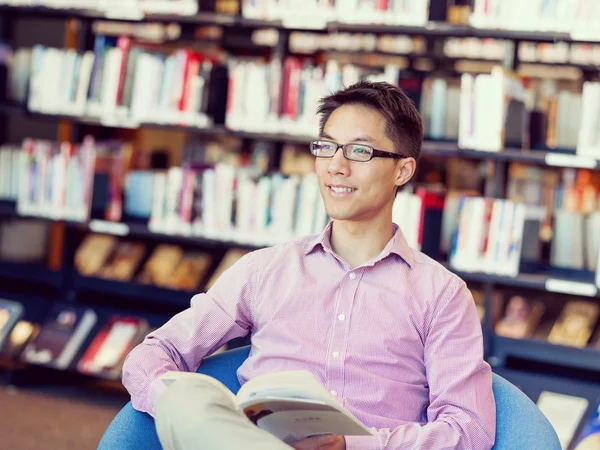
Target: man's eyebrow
356,139
363,139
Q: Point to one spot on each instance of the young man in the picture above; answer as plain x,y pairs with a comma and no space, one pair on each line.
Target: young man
389,332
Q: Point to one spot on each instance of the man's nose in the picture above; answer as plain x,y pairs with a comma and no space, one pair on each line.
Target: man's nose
338,163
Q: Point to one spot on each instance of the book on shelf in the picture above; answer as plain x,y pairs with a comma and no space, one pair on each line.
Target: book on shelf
419,215
488,237
575,325
11,161
589,437
241,204
564,413
20,336
10,313
306,42
576,208
106,353
124,261
290,405
314,14
492,111
160,265
93,253
127,9
589,137
125,82
577,17
283,96
24,241
439,113
61,336
521,318
56,180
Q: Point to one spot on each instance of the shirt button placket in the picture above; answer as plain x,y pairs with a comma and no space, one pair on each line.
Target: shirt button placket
340,331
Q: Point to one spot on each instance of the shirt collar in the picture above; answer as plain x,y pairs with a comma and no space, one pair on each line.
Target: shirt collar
397,244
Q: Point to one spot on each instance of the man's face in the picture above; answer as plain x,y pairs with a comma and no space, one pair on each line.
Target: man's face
372,184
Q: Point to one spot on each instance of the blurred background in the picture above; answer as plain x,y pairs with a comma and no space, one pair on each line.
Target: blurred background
146,145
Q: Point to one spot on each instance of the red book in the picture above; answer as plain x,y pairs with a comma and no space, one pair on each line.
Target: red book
105,355
191,68
293,73
124,43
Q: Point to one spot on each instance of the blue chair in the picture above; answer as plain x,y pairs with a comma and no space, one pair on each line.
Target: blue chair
519,426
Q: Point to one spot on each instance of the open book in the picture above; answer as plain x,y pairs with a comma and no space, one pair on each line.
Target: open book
291,405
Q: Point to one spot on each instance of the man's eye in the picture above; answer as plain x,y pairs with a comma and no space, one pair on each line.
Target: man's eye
360,150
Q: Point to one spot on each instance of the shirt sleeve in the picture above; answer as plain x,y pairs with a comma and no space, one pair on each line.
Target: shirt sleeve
213,318
462,410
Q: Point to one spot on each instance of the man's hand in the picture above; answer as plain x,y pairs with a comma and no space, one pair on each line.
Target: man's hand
321,443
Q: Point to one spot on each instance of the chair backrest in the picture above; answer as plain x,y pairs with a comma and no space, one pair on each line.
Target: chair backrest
520,425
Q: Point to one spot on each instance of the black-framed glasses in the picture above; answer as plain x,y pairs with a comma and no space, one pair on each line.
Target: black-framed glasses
353,152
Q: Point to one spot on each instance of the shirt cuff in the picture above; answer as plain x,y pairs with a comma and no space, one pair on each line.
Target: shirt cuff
156,388
362,442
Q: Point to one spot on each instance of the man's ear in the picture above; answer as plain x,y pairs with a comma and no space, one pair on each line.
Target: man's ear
406,170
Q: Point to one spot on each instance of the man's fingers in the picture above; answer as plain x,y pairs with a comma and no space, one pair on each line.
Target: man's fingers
314,443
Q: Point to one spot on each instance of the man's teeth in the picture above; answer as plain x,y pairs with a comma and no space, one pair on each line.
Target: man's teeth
340,190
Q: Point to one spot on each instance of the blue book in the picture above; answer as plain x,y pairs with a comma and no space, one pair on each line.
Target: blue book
589,438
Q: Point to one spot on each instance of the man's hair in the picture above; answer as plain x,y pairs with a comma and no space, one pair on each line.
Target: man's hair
403,122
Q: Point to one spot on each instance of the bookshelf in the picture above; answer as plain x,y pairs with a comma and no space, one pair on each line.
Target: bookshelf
433,148
431,29
159,303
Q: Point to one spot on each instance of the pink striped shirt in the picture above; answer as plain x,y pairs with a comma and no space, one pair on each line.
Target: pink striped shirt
396,340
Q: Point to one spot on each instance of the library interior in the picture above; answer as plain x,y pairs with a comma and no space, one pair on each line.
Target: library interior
112,160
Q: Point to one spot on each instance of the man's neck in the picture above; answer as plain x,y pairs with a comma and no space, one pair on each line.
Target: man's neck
359,242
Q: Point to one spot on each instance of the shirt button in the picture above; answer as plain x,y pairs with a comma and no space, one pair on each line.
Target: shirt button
352,276
341,317
333,392
336,354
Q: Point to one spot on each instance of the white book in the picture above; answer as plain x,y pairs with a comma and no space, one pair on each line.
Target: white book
467,117
159,194
36,83
262,209
589,136
567,242
321,217
472,262
516,241
287,207
305,221
246,195
209,202
83,83
110,82
147,79
492,253
592,240
225,175
564,412
173,197
4,172
598,268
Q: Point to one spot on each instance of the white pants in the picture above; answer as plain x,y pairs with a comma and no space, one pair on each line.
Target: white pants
192,414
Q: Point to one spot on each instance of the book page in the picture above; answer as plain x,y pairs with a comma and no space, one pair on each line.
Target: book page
293,384
294,405
295,425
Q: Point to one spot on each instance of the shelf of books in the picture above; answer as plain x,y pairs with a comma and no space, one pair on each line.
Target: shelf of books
542,351
542,23
184,154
